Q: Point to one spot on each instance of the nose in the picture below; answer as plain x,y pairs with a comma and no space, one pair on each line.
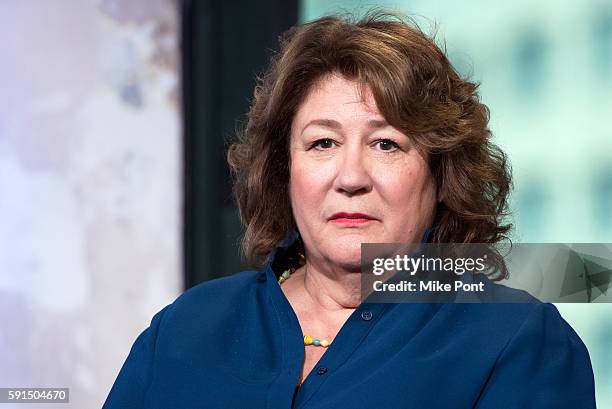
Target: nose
353,174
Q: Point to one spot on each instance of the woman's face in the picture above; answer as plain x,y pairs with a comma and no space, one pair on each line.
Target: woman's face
354,179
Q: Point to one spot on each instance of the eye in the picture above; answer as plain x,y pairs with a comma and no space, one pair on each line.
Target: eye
387,145
322,144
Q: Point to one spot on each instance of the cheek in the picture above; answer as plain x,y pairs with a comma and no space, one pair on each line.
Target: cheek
408,189
311,175
307,185
301,181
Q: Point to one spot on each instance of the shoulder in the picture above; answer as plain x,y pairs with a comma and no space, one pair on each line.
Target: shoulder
525,315
522,331
208,306
531,356
543,327
215,313
216,298
510,320
204,315
223,289
543,362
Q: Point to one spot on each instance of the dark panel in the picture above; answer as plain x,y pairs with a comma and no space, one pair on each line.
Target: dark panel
224,45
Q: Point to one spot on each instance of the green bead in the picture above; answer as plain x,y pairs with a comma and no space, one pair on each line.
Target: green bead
286,274
316,342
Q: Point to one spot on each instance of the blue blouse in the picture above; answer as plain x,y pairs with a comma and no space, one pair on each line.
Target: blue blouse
235,342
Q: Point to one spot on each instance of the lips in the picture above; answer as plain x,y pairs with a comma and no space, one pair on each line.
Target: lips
351,218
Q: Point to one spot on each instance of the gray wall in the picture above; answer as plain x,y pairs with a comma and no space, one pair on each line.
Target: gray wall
90,182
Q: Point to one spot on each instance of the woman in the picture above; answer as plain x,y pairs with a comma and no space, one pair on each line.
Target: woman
358,132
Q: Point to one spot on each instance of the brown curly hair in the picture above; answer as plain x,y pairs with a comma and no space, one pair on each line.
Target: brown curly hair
418,92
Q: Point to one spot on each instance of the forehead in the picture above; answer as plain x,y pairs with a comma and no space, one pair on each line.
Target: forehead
336,96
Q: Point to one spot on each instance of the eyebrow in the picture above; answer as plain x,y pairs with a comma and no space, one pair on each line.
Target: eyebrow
333,124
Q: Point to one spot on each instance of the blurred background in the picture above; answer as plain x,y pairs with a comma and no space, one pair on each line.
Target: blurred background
115,116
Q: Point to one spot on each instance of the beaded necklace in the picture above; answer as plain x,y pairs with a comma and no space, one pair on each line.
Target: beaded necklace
308,340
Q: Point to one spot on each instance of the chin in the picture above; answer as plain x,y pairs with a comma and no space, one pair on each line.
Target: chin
347,255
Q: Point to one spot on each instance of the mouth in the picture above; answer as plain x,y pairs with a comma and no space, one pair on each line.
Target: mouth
345,218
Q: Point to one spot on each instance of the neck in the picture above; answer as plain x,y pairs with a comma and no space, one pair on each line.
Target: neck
320,300
330,290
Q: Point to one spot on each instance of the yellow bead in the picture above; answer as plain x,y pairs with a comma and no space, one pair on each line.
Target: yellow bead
324,343
307,340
